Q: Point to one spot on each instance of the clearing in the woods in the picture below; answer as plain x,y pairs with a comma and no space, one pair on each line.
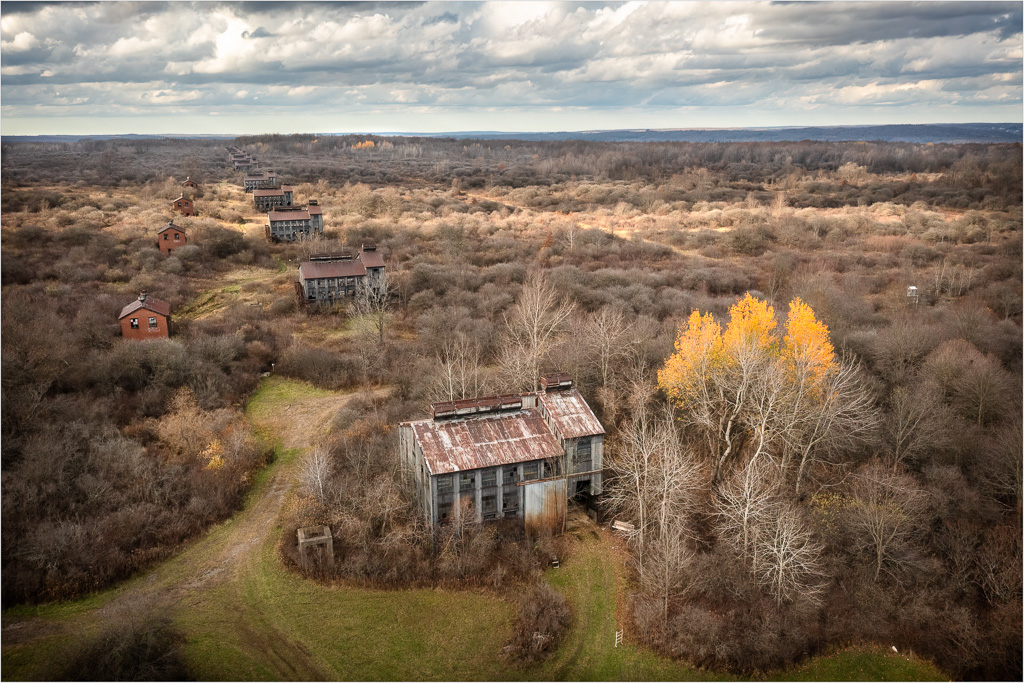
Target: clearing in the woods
246,617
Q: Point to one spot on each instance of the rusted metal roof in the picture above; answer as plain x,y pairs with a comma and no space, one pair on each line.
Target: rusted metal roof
148,304
301,215
321,269
571,415
484,441
371,259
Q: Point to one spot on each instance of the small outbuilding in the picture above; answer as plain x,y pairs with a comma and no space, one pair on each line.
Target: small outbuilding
191,184
170,237
146,318
184,205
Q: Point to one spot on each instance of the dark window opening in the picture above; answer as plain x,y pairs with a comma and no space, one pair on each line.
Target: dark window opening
510,475
176,237
152,322
582,459
134,322
489,478
165,235
444,484
467,480
489,506
530,471
444,508
510,500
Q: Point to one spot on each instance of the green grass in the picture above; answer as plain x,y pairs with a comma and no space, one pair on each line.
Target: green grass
273,624
863,663
275,392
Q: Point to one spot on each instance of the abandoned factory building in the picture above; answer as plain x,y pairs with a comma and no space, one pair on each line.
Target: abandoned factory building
265,200
260,181
327,278
289,223
520,455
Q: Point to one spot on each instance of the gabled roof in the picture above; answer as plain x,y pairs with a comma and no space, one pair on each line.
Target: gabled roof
183,197
570,414
484,441
150,304
371,259
323,269
171,226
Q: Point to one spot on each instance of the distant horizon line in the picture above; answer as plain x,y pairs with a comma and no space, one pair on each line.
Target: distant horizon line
631,129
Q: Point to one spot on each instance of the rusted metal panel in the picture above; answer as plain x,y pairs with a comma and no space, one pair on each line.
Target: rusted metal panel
484,441
314,270
545,505
475,406
570,414
556,380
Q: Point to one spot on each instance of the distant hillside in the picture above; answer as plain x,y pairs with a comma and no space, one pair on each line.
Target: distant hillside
127,137
949,132
937,132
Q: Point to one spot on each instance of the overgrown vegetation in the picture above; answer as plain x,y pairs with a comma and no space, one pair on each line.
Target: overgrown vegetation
107,443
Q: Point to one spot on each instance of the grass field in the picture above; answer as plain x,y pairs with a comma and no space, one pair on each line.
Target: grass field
246,617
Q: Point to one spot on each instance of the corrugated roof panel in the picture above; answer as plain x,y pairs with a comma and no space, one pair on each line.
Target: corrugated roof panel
485,441
571,415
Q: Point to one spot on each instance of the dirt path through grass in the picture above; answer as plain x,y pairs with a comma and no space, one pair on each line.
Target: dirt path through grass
291,412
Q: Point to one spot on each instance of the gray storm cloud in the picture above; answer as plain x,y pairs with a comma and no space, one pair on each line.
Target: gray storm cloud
139,58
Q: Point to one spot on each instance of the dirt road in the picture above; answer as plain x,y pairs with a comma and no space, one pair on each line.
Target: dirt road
294,414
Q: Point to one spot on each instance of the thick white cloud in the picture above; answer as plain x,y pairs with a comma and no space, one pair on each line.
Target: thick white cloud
609,62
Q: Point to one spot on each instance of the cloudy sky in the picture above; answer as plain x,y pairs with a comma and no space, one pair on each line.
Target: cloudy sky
252,67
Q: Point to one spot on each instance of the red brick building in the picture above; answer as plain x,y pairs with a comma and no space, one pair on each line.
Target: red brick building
146,318
170,237
185,205
190,186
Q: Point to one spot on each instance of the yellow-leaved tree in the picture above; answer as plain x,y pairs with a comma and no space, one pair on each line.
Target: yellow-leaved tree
751,393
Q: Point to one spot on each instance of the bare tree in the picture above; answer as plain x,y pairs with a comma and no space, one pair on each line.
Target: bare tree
606,332
788,559
315,475
373,300
885,514
657,483
458,367
746,503
531,327
832,419
913,425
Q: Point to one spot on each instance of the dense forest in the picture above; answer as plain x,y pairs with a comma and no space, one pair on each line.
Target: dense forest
880,503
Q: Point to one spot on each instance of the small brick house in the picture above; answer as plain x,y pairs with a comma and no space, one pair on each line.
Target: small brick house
170,237
146,318
189,183
184,205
